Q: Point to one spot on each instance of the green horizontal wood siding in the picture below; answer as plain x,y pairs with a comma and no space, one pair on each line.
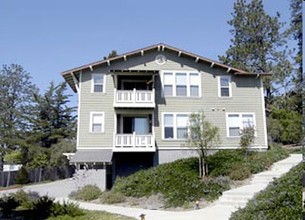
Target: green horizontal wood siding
246,97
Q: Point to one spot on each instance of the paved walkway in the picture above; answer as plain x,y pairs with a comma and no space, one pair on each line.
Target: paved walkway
219,210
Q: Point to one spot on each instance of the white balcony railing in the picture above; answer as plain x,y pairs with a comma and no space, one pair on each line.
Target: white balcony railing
134,98
134,142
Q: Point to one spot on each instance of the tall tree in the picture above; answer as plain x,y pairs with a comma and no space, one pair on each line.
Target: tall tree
256,41
113,53
296,32
16,92
53,119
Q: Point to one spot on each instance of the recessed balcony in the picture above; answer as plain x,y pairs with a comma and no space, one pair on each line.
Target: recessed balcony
134,98
134,143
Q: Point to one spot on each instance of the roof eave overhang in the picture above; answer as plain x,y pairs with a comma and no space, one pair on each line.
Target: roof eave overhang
140,52
253,74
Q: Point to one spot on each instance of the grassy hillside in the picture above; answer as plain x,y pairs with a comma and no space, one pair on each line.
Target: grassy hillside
238,166
178,181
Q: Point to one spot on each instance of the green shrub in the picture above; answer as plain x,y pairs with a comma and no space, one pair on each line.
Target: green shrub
42,208
260,161
280,200
247,138
237,166
220,163
87,193
240,173
19,200
178,182
24,199
22,176
214,187
111,197
7,204
285,126
66,209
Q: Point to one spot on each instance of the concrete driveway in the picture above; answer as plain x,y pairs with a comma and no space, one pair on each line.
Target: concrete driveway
57,189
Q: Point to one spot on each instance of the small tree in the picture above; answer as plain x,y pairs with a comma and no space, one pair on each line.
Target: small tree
202,136
40,161
247,138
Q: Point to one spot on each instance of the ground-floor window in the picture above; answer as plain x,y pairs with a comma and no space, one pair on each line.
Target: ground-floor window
175,125
97,122
237,121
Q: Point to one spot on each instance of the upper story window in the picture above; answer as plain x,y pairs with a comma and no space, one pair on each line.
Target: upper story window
98,82
181,84
194,84
97,122
168,82
237,121
224,86
175,126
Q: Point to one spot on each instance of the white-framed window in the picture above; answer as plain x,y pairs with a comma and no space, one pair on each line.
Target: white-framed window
237,121
181,84
175,126
97,122
168,81
194,84
224,86
98,82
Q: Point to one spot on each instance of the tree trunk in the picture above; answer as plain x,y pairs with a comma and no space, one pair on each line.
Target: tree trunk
39,178
206,169
200,167
203,167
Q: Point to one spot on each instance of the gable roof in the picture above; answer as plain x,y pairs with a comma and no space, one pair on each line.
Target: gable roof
70,77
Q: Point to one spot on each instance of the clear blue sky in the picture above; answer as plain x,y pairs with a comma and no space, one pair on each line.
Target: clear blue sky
48,37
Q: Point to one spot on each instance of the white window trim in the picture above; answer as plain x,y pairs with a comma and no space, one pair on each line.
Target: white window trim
240,122
92,82
188,85
264,112
91,122
174,125
230,87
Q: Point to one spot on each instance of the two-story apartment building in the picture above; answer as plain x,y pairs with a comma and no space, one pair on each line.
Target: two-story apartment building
133,108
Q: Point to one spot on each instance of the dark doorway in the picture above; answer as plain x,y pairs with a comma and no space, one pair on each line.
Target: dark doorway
137,124
138,85
129,163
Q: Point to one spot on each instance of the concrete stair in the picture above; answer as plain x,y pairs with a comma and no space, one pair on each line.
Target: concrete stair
240,196
266,177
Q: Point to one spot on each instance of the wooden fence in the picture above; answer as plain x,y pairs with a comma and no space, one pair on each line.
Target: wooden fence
38,175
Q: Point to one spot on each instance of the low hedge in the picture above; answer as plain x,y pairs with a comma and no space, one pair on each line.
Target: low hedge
282,199
87,193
